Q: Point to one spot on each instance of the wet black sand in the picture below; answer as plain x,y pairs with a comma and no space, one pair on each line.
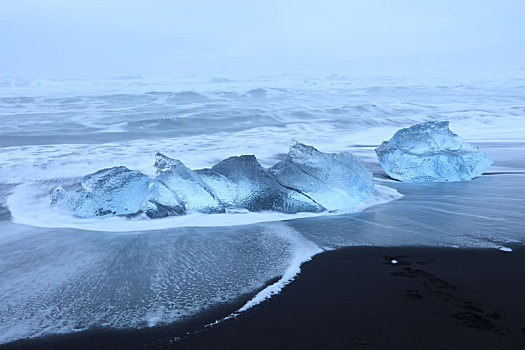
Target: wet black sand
434,298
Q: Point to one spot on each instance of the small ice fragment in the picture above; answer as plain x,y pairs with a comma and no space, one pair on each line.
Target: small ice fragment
505,249
393,262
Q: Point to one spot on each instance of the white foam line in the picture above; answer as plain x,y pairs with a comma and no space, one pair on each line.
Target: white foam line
303,251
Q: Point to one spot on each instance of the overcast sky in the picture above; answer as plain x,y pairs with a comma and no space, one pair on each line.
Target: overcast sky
104,38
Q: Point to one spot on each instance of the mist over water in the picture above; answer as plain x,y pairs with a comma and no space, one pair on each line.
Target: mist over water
93,39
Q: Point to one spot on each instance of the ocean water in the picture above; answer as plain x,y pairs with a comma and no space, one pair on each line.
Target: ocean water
61,274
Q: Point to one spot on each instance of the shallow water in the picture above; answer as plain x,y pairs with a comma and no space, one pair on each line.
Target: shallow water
57,277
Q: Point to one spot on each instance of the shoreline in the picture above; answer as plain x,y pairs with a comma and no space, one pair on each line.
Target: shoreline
353,297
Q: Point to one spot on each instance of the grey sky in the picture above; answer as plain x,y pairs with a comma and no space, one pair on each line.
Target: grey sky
95,38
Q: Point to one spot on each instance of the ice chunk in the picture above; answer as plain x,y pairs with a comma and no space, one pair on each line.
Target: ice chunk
334,181
162,202
112,191
306,181
77,201
431,152
241,182
187,188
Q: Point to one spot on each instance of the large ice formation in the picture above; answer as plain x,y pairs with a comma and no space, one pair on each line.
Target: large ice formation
431,152
334,181
307,180
108,192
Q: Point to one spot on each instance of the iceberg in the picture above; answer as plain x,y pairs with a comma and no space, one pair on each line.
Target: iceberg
307,180
242,183
333,181
107,192
431,152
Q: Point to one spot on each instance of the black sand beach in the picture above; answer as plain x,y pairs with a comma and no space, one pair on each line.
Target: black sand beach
434,298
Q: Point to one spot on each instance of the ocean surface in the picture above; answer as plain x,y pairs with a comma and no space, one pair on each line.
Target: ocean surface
61,274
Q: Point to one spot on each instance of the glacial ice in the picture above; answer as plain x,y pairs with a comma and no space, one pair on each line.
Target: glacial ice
334,181
162,202
241,182
107,192
188,191
431,152
306,181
